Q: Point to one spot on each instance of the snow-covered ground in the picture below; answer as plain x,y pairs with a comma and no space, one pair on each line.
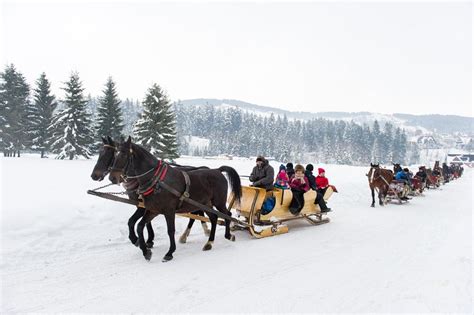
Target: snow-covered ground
65,251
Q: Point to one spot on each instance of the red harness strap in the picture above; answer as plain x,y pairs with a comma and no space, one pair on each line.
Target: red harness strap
152,188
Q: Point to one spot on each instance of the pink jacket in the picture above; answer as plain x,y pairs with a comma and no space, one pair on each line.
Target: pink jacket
299,185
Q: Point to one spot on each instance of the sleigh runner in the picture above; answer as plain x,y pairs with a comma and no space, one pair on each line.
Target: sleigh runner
269,224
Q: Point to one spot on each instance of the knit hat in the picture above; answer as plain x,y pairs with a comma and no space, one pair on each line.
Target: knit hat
289,165
321,170
282,167
310,167
299,167
260,158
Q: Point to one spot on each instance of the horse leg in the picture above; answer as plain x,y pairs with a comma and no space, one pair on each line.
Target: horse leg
185,235
170,217
131,225
213,219
373,198
147,217
151,235
206,230
227,234
381,197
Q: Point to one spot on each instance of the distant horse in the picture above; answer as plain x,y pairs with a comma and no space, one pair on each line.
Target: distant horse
379,179
207,187
431,179
102,168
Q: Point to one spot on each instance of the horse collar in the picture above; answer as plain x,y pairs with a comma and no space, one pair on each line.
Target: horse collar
158,177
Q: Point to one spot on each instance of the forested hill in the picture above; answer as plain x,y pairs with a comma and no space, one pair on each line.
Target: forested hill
433,123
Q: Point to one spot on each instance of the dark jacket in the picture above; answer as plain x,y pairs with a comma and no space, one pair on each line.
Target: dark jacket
311,179
290,171
263,176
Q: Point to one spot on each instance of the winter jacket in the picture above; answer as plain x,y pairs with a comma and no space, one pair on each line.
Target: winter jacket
401,176
321,182
263,176
311,179
299,184
422,175
290,171
282,179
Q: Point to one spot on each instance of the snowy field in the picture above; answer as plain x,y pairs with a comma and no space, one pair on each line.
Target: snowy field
65,251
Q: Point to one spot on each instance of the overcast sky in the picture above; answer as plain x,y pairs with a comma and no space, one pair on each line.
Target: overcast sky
313,56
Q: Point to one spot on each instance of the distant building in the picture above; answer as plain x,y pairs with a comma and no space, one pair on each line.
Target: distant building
428,142
466,159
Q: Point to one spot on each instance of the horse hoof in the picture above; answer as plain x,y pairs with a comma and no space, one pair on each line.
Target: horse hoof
167,258
137,243
149,244
373,206
183,239
148,254
208,246
231,238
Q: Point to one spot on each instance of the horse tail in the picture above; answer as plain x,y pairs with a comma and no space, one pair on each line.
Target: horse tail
234,179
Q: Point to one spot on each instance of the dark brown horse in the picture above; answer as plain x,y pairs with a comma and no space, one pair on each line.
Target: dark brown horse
102,168
207,187
379,179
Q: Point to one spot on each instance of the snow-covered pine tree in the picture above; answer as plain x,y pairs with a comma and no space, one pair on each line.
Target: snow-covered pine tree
109,113
387,144
42,115
403,146
72,135
131,113
14,97
156,130
376,150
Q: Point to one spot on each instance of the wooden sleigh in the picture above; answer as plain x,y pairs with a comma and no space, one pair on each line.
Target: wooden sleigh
249,210
263,225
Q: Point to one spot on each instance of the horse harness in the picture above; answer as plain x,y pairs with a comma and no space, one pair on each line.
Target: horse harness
157,180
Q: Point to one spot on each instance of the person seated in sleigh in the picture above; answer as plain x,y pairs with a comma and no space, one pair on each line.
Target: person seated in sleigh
299,185
322,184
262,174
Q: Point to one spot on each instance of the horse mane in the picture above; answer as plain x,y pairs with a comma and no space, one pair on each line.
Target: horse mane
140,151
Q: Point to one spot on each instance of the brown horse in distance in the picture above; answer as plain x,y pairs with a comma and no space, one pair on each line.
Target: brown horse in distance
379,179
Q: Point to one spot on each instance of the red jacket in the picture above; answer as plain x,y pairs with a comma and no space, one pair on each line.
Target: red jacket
300,185
321,182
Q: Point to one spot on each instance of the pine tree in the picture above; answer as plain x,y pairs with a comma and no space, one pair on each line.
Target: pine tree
376,152
155,130
387,143
42,115
14,101
72,135
109,113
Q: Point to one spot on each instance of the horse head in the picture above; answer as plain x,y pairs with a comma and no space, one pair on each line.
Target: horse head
121,162
105,160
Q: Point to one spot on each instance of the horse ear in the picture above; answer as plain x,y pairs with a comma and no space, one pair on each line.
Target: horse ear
129,140
103,140
110,140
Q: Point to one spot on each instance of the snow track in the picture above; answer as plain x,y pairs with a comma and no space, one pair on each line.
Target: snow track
65,251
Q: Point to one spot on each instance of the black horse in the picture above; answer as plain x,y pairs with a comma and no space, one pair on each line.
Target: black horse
102,168
207,187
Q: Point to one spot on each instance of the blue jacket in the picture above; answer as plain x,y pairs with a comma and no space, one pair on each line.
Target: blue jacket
401,176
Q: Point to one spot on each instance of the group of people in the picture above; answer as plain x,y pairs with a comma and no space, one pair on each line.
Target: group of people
299,179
